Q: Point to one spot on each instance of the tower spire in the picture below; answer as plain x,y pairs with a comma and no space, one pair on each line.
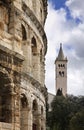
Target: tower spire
60,54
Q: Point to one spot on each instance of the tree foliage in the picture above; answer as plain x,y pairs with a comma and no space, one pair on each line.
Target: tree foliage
77,121
66,113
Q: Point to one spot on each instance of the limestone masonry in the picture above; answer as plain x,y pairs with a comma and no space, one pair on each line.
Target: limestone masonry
23,45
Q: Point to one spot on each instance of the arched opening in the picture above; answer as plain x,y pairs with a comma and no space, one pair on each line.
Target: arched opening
63,65
23,113
24,101
5,99
35,107
35,115
24,34
59,65
35,58
60,74
34,46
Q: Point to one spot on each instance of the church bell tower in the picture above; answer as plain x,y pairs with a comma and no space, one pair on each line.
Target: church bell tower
61,72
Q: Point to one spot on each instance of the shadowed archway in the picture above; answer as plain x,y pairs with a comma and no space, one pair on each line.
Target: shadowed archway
23,112
5,97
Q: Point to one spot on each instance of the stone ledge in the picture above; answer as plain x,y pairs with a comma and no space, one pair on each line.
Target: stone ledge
5,126
15,54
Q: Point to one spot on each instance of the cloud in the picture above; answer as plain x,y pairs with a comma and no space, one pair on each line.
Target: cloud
76,8
59,29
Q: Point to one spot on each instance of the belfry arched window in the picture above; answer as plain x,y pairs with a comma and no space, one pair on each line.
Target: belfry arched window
61,73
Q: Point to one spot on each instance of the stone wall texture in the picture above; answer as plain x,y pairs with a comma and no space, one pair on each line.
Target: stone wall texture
23,46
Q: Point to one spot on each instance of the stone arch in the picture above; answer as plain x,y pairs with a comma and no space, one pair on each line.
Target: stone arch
5,97
23,112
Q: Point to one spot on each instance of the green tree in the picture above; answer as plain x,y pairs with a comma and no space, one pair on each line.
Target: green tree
65,112
60,113
77,121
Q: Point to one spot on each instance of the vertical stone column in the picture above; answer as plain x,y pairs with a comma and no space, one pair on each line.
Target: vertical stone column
44,119
36,66
26,48
11,24
15,27
39,118
30,116
16,110
42,67
24,118
42,71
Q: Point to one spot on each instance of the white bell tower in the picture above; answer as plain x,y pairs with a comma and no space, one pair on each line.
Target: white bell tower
61,72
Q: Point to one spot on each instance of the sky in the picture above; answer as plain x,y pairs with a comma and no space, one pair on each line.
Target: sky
65,24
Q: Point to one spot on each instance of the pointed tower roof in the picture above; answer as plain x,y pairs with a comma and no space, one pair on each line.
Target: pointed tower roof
60,54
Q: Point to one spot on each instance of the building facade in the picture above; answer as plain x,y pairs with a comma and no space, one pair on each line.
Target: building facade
23,45
61,73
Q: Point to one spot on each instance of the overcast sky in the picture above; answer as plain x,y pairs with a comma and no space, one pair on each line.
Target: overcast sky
65,24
